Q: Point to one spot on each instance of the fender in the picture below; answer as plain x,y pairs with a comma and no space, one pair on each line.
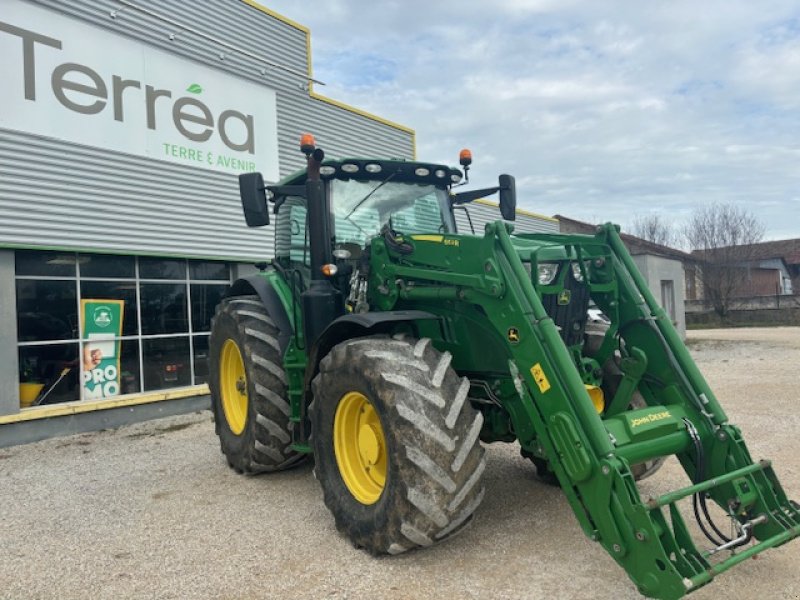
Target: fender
260,286
345,328
356,325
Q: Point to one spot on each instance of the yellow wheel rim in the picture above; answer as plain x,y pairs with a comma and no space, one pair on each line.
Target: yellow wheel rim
360,447
233,386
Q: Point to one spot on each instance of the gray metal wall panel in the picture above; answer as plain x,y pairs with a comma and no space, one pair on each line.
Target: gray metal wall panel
9,392
48,187
480,214
55,194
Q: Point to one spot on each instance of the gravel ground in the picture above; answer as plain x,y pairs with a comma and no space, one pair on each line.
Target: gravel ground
152,511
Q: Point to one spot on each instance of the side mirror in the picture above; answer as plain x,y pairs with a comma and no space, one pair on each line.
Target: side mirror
508,197
254,199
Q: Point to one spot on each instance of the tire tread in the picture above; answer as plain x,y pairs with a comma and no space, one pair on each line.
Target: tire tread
439,459
265,445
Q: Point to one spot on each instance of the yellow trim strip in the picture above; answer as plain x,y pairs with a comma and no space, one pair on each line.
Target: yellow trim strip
363,113
428,238
520,211
74,408
320,97
278,16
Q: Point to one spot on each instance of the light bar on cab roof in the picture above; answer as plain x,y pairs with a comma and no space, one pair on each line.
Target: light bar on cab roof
398,169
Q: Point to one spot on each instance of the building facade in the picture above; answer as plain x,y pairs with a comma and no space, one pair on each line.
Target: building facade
123,127
122,130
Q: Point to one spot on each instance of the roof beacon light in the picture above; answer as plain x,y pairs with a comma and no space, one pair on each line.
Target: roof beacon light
307,144
465,157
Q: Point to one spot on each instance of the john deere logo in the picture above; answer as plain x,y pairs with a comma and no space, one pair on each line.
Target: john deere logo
513,335
564,297
102,316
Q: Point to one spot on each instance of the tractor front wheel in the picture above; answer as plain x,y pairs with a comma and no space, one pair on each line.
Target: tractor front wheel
396,445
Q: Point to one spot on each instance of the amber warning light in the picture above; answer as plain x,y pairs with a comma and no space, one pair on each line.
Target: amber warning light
329,270
465,157
307,143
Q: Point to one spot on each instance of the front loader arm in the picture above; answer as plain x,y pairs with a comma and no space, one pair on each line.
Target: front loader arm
554,417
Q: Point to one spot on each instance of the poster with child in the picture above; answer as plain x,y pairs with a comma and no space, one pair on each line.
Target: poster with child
102,326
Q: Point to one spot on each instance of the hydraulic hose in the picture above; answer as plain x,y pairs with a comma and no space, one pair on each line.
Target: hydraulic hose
699,499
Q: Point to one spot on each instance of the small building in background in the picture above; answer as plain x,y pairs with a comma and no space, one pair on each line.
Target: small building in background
766,268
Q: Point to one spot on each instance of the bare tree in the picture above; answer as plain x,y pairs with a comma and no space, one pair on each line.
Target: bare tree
654,228
722,236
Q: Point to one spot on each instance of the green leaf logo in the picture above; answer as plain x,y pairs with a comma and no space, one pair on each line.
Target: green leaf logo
194,88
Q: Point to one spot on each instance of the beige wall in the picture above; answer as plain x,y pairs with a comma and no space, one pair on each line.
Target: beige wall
656,269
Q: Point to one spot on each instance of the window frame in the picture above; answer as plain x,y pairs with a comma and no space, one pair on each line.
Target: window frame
187,282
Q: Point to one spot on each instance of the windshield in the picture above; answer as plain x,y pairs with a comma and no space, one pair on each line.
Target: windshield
361,208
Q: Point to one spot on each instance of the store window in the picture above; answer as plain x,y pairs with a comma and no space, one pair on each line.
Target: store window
97,326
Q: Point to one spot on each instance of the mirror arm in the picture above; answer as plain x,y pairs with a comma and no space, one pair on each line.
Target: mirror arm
465,197
286,190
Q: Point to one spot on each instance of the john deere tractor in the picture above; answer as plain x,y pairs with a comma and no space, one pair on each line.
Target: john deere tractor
389,346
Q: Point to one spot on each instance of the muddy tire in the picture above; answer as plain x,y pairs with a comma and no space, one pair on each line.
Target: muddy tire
248,388
396,443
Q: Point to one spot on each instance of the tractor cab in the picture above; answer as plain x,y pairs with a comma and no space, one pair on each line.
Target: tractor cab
362,199
327,215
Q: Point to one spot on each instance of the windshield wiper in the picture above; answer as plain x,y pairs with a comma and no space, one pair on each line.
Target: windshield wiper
357,226
369,194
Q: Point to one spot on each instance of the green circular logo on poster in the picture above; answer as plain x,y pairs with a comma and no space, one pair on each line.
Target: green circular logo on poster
102,316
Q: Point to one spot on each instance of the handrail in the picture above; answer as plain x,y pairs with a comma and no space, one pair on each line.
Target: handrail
671,497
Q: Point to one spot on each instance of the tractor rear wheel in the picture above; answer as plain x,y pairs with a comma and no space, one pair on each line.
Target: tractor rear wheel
396,443
248,388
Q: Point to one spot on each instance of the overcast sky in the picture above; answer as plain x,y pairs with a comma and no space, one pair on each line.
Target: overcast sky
601,110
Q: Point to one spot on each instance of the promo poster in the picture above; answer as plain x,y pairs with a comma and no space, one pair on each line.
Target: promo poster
102,326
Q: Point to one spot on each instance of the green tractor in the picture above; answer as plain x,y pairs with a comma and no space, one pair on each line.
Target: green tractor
389,346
